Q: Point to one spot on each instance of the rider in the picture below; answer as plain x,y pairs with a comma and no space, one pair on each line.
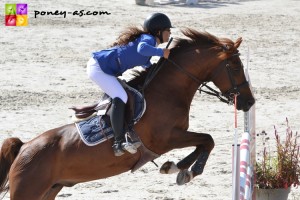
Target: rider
134,47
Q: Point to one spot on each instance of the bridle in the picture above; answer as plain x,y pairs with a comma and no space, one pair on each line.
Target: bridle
226,97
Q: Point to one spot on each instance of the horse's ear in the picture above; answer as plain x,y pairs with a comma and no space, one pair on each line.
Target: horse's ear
238,42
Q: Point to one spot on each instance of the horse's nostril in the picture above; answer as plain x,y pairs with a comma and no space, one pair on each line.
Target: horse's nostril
251,102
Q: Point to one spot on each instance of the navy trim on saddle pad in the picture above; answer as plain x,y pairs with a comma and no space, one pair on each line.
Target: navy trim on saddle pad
95,130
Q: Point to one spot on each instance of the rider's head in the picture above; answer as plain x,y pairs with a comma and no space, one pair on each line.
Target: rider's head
156,24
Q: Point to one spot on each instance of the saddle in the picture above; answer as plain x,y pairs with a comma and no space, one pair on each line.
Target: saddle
134,110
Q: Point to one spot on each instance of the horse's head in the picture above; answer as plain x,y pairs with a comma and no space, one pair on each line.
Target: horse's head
208,58
203,58
229,75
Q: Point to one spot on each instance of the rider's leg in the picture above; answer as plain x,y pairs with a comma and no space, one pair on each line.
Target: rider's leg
111,86
117,123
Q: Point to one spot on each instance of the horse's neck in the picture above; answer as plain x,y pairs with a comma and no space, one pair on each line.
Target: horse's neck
173,85
183,76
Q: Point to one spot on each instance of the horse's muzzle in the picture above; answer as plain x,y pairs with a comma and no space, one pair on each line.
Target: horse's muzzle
246,105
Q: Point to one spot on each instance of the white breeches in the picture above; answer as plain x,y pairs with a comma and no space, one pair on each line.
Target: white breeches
108,83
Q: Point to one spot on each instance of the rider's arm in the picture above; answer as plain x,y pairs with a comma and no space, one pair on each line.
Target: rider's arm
147,47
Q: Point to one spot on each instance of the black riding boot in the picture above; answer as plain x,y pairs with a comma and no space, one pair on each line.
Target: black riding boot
117,123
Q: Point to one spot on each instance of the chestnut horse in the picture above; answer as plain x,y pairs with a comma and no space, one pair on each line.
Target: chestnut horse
40,168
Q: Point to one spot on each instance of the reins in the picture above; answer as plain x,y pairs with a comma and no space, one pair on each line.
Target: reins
154,69
185,72
226,97
212,91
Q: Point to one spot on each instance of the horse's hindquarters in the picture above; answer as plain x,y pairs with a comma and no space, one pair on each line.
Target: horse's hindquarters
59,158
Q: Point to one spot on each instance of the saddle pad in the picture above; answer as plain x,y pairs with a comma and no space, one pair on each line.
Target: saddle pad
95,130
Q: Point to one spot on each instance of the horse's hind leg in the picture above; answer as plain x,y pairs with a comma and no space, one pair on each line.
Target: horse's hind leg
53,191
32,186
32,175
25,191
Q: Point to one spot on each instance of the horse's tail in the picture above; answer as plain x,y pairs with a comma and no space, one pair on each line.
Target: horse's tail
9,151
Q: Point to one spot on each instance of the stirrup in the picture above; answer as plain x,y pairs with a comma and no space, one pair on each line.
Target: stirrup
118,151
129,147
135,143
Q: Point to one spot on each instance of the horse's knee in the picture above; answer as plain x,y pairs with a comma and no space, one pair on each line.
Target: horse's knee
211,143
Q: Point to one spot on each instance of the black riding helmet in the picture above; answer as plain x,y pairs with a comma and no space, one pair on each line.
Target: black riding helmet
157,22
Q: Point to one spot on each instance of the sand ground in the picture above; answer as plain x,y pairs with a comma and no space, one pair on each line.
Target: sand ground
43,73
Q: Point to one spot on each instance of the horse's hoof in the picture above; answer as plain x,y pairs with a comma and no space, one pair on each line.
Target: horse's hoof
168,168
183,177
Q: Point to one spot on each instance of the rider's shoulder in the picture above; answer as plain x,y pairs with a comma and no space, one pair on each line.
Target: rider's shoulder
147,37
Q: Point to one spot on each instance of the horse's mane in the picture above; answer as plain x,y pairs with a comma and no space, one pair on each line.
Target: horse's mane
205,39
194,38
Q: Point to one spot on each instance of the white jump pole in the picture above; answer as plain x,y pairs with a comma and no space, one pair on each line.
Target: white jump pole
245,171
249,138
236,161
250,130
244,155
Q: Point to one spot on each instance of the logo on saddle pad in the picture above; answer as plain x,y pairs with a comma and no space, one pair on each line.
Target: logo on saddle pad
95,130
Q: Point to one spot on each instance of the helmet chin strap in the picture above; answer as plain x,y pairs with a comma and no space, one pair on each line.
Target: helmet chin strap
160,37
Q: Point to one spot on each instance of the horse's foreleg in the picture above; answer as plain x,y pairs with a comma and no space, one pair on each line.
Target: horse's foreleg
185,176
204,144
170,167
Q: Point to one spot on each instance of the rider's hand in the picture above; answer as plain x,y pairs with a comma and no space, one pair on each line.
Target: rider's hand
166,53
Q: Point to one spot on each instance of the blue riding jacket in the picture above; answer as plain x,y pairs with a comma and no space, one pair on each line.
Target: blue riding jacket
118,59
